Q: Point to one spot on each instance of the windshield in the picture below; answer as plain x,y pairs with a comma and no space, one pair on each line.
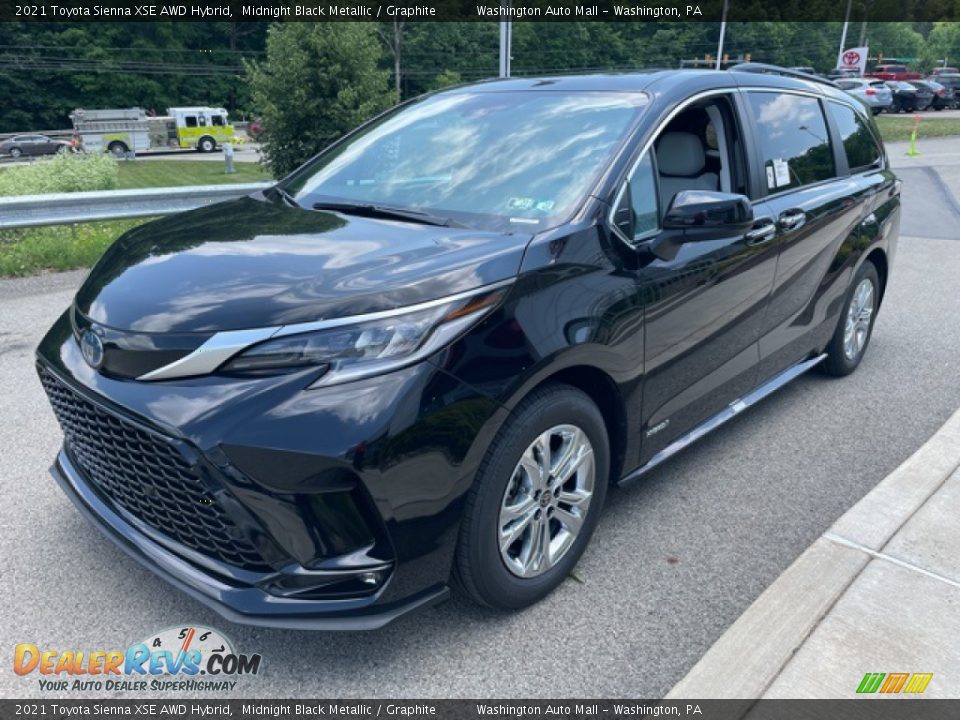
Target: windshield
506,161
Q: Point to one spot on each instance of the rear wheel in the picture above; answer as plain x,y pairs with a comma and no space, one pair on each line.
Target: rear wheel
536,500
850,339
15,152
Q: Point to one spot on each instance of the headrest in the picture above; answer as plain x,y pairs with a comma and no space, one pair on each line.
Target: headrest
680,153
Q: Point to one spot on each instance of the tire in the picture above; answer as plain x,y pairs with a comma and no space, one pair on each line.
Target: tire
481,567
840,361
15,152
117,148
206,144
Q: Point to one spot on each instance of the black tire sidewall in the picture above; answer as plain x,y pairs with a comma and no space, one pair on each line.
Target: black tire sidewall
490,579
838,362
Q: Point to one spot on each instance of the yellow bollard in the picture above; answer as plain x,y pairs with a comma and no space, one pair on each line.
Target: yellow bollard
912,150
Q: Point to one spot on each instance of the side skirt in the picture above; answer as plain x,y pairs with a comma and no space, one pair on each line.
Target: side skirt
732,410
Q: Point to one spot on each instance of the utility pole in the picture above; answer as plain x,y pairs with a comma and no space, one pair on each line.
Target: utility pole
723,32
846,25
506,29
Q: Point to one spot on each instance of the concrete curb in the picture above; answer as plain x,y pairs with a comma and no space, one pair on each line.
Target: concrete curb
754,650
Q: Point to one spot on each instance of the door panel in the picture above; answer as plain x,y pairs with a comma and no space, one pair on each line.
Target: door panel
703,318
803,297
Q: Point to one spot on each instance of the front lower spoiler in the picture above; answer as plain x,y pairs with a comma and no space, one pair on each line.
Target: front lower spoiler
243,604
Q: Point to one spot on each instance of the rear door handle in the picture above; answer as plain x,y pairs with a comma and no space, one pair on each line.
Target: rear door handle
791,219
764,231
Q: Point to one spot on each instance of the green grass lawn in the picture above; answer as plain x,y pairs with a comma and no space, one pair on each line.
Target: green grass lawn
173,173
899,128
29,251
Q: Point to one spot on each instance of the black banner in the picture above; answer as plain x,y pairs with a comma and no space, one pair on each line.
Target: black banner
471,10
860,709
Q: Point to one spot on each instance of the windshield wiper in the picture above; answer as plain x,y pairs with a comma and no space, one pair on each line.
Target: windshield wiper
386,211
286,196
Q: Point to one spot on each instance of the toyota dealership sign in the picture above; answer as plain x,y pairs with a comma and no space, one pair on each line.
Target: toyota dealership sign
854,59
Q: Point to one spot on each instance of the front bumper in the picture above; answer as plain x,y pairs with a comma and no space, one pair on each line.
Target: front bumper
238,602
321,488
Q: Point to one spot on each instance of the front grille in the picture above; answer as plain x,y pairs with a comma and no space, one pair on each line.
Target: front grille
147,476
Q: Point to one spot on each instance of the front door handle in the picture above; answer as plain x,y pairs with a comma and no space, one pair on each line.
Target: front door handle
764,231
791,219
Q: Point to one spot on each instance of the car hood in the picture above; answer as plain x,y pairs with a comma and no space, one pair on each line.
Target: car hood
255,262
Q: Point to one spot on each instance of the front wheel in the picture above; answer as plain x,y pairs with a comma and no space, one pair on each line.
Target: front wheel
536,500
15,152
850,339
206,145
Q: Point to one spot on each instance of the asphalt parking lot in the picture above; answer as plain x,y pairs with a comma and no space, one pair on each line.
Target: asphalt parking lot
675,561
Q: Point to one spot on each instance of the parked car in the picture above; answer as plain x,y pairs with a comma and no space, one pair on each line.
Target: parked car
944,71
33,145
893,72
803,69
950,81
421,358
875,93
908,97
942,97
842,73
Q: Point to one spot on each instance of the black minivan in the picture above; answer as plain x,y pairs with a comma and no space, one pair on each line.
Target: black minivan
420,360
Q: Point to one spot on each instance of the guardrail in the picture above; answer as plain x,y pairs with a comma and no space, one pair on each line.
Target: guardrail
64,208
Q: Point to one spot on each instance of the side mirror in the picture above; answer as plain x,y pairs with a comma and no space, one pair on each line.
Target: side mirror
691,209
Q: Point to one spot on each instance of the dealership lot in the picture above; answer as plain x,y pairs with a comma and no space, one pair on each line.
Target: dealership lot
676,559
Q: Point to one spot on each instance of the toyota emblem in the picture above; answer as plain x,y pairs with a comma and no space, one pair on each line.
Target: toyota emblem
91,346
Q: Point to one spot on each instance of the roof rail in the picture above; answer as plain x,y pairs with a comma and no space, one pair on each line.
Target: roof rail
765,69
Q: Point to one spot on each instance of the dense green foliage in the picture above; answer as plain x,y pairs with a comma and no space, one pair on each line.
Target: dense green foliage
318,81
48,69
61,173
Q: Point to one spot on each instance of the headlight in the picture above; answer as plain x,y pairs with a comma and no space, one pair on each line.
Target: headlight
357,348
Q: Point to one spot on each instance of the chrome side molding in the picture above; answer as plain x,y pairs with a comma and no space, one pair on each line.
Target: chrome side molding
731,411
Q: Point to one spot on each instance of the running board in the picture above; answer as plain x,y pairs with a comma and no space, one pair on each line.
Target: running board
731,411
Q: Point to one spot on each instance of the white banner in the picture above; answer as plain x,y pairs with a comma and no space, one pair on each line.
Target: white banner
853,59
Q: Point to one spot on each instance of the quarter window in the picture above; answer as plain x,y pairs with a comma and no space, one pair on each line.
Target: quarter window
794,141
643,198
190,121
858,142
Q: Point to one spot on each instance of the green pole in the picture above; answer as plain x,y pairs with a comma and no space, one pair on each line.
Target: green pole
912,150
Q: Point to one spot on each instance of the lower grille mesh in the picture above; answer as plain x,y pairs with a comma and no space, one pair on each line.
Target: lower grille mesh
146,476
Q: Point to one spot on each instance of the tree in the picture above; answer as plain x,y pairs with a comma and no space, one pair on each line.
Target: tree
319,81
391,34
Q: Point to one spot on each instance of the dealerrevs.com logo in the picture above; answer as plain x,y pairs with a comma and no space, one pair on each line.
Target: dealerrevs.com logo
179,659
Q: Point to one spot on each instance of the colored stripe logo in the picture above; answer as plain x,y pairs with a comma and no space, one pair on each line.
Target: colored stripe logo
894,683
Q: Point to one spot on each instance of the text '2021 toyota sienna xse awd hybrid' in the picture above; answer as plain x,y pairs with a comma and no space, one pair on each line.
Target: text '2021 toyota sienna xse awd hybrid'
420,359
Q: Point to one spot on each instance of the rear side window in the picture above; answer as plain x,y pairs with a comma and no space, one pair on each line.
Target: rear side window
190,121
794,142
858,142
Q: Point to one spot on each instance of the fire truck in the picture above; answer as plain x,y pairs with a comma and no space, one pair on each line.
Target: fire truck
121,131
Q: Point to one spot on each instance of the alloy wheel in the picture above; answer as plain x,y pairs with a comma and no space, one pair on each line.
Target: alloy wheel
857,328
546,501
